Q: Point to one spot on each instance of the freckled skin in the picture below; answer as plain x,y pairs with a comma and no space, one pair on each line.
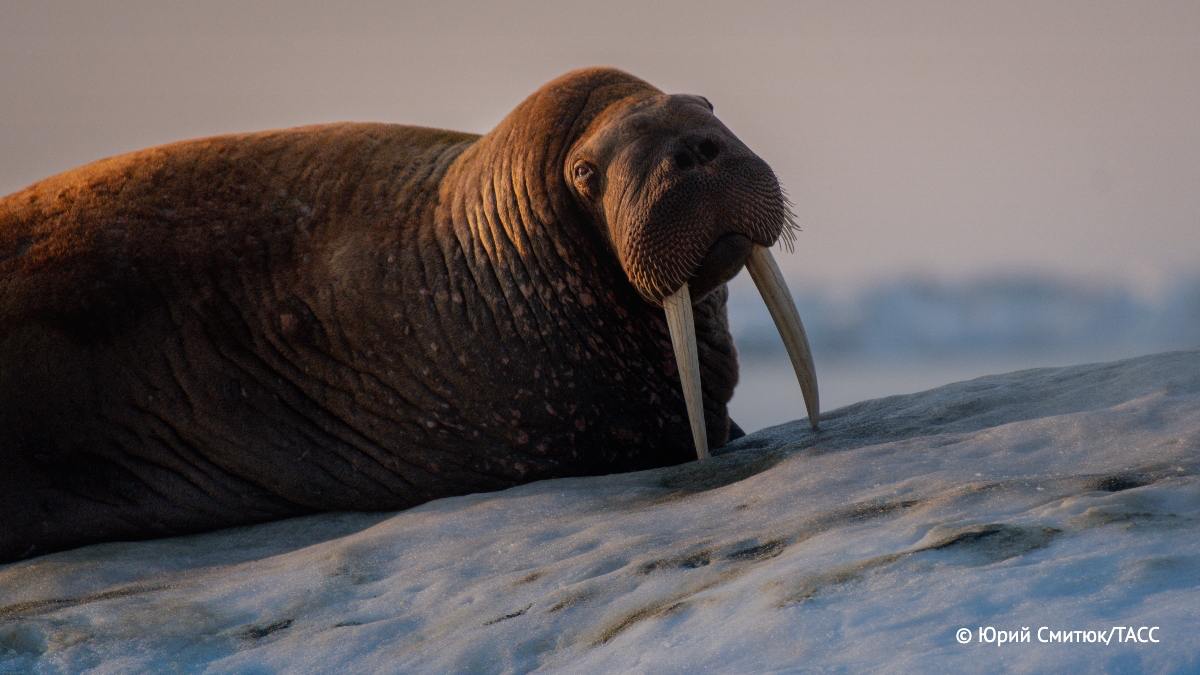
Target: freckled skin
349,316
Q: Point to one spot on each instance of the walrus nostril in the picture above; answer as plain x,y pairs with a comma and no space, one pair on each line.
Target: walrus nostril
708,150
683,160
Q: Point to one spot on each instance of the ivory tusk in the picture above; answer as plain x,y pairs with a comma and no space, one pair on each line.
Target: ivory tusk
678,307
775,294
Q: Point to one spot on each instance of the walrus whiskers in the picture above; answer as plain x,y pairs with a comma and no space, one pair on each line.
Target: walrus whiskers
678,307
774,291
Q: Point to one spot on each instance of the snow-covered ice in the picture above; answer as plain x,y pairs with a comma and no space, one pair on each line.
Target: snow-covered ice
1060,498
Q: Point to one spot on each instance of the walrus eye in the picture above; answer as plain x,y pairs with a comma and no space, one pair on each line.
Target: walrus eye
585,178
583,171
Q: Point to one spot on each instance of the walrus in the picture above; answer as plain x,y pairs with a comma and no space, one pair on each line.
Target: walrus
361,316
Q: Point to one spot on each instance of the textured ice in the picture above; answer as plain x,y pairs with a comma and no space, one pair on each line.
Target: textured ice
1066,498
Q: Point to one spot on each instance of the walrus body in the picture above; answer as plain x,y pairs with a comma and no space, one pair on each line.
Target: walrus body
350,316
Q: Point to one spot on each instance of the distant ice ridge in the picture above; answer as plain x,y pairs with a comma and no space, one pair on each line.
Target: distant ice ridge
1064,499
988,315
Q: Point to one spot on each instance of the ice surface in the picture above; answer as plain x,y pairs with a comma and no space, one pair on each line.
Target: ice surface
1066,498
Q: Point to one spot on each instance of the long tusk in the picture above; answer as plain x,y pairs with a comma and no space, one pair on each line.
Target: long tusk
687,360
775,294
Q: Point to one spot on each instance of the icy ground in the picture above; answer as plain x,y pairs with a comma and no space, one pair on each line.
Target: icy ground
1058,498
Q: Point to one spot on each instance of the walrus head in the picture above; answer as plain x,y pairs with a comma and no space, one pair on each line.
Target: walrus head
681,198
682,203
686,205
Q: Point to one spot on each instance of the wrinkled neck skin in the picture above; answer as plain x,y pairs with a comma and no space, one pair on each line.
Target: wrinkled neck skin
541,345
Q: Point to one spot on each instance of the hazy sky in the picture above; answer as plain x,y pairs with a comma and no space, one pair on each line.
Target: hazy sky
944,137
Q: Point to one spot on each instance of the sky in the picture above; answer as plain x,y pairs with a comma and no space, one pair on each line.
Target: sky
939,138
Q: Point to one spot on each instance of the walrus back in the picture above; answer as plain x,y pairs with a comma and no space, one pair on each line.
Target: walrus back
77,239
121,277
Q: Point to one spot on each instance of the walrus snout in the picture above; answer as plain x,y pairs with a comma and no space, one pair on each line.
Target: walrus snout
696,225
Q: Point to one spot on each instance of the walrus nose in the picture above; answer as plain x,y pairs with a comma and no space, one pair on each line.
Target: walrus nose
697,150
